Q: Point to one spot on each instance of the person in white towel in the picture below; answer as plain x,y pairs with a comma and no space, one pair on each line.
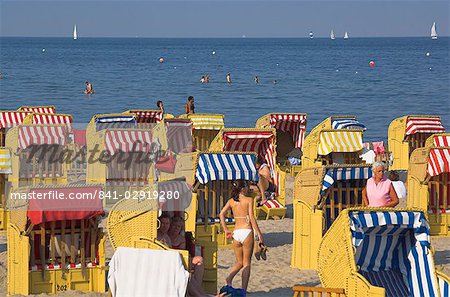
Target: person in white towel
243,235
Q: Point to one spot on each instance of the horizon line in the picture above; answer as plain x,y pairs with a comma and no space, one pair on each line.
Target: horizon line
216,37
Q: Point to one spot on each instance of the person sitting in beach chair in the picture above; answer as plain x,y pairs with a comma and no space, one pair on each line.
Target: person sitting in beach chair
379,191
163,229
265,188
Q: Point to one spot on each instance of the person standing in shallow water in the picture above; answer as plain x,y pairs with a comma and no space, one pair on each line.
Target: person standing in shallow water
89,88
228,78
189,107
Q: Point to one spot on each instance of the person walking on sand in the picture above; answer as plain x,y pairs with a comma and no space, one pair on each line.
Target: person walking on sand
89,88
228,78
243,235
189,107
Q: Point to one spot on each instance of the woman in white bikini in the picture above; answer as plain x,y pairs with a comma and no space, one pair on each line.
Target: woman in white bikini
243,238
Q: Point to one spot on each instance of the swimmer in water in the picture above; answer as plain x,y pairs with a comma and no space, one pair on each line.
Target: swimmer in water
89,89
256,80
229,78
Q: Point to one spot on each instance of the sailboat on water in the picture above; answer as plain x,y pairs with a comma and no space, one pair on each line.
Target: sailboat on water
433,31
75,35
332,36
346,35
311,34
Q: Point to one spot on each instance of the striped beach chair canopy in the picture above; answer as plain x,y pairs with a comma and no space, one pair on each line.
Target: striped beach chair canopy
438,161
260,141
5,161
147,116
52,119
72,207
9,119
294,123
42,134
127,141
225,166
346,123
441,140
393,251
38,109
344,173
207,121
340,141
423,124
115,122
179,135
174,195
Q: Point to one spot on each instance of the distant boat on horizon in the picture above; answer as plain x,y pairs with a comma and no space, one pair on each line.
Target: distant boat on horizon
311,35
75,35
345,35
332,36
433,31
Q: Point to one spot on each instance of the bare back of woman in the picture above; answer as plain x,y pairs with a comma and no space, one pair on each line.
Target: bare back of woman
243,237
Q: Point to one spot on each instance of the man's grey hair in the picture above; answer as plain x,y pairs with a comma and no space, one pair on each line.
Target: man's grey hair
378,164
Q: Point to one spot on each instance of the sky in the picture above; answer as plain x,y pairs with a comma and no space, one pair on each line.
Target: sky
214,18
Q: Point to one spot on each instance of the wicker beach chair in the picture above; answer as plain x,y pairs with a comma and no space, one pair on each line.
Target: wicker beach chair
205,128
429,183
407,133
380,252
56,245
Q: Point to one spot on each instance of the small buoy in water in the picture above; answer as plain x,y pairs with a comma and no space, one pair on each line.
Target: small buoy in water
278,64
43,50
428,54
337,70
161,60
214,52
356,72
372,64
185,58
174,67
429,68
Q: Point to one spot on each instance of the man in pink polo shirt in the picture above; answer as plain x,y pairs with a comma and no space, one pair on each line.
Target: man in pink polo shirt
379,191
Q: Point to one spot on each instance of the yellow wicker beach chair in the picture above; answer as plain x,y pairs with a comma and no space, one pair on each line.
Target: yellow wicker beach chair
214,174
5,170
258,140
380,252
175,139
123,155
337,140
72,256
320,194
31,142
206,127
290,134
409,132
429,185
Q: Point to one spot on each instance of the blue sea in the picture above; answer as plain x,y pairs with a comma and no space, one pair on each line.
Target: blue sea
317,76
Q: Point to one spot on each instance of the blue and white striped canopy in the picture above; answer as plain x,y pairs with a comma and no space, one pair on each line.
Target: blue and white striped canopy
345,173
347,124
226,166
395,242
117,121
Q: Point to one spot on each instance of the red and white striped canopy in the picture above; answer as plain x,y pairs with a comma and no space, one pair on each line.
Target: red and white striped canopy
179,135
423,125
9,119
38,109
127,141
52,119
295,124
39,135
441,140
439,161
147,116
260,142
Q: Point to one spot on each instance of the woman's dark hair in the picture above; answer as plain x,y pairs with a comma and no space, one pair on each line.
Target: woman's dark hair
238,185
393,176
260,160
158,103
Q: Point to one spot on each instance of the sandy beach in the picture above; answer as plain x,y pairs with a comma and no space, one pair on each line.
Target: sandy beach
271,278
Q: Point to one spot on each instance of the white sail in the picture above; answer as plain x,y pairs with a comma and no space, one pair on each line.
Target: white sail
433,31
346,35
311,35
332,36
75,36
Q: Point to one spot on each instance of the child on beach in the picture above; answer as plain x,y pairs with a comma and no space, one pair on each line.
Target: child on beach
189,107
160,105
241,205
